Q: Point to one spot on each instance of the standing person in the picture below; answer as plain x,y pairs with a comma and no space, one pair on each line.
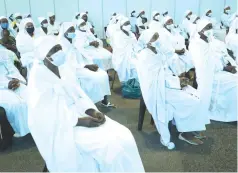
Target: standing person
69,117
53,27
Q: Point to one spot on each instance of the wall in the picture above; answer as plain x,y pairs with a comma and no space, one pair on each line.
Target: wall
101,10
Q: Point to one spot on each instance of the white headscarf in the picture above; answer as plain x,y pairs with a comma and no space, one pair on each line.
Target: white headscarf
187,12
26,15
206,11
23,24
202,24
123,20
79,22
153,14
3,17
148,36
226,6
50,14
64,27
193,17
82,14
41,19
17,15
43,45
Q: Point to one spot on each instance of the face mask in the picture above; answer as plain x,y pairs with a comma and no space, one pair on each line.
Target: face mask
157,17
18,20
209,34
170,27
30,30
156,44
71,35
45,25
127,28
58,58
4,25
209,15
228,11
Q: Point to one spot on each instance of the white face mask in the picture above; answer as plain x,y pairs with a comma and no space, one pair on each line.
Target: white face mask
209,15
45,25
170,27
157,17
209,34
127,28
58,58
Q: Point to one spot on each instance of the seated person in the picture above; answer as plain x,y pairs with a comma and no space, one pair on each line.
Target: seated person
89,26
155,23
4,25
43,29
69,117
164,95
91,47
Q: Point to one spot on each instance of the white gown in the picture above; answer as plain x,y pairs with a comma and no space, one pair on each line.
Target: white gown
100,56
94,84
54,109
14,102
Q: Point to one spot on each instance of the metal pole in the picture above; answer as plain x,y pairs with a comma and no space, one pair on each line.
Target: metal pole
30,6
103,33
5,5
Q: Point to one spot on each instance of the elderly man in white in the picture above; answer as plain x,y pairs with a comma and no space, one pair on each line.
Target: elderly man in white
216,74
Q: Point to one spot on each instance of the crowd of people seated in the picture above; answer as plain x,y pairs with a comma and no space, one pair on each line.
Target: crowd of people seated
52,76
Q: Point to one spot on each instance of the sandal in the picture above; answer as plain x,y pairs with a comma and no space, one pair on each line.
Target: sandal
108,105
194,141
199,135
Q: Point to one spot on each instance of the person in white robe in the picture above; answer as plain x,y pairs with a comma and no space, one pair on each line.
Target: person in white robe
186,22
227,17
76,17
25,43
133,20
216,74
54,26
43,29
5,26
69,117
155,22
13,94
93,80
165,13
164,96
141,22
124,56
192,29
219,32
91,47
89,26
232,38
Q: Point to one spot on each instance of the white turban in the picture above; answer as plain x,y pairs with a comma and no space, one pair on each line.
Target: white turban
23,24
26,15
206,11
41,19
165,11
17,15
64,27
147,36
123,21
187,12
50,14
202,24
43,45
77,13
167,18
227,6
154,13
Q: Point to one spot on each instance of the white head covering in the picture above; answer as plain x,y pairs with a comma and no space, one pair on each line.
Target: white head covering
26,15
77,13
167,18
187,12
23,24
3,17
64,27
165,11
17,15
149,34
202,24
206,11
43,45
50,14
41,19
193,17
79,22
153,14
82,14
123,20
226,6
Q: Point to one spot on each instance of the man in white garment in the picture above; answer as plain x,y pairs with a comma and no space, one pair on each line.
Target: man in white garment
227,18
93,80
155,22
4,25
141,22
91,47
124,57
164,94
43,29
25,43
54,26
13,94
89,26
69,117
216,74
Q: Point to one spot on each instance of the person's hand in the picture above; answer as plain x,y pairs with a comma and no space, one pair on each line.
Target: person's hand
97,115
92,67
14,84
96,44
180,52
184,82
93,43
231,69
89,122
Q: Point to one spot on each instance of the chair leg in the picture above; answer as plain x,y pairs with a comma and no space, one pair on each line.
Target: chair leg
141,114
114,78
45,169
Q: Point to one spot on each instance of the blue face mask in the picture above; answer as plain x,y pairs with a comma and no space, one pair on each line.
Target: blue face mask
71,35
4,25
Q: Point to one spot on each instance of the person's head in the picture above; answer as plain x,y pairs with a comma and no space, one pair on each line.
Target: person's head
67,31
227,10
125,25
209,13
194,19
43,22
141,14
133,13
165,13
4,23
81,25
29,27
205,30
168,23
51,17
144,20
156,16
188,14
84,16
18,17
77,16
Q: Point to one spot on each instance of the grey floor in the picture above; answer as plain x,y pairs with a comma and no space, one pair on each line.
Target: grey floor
217,154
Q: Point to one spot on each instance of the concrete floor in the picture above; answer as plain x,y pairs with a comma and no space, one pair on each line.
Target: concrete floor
217,154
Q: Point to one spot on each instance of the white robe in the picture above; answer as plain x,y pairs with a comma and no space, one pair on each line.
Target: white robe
39,32
217,87
52,29
14,102
94,84
155,25
54,109
164,98
123,58
227,19
100,56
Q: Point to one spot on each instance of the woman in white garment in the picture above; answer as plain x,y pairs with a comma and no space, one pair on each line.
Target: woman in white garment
155,22
164,95
186,22
141,22
227,18
69,131
91,47
232,38
13,94
93,80
123,57
216,74
25,43
192,29
43,29
89,26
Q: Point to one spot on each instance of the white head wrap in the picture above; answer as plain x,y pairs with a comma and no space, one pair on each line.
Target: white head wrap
79,22
50,14
206,11
187,12
153,14
165,11
77,13
26,15
148,35
82,14
123,20
193,17
41,19
226,6
3,17
166,19
202,24
43,45
17,15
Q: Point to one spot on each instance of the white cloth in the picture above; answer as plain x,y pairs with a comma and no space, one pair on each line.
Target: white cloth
217,87
94,84
53,29
155,25
124,58
62,144
14,102
227,19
